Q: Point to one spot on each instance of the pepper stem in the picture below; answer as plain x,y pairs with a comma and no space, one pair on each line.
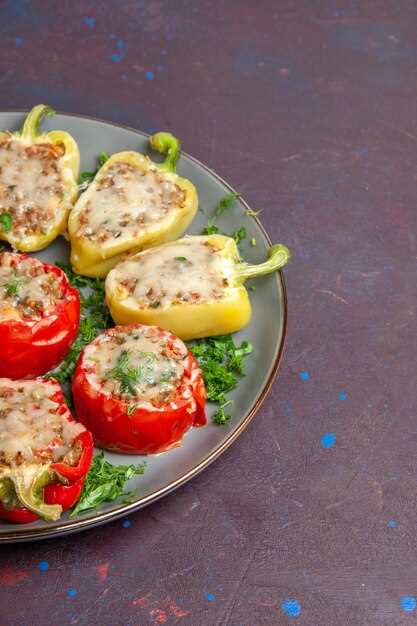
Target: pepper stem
29,483
278,256
167,144
31,125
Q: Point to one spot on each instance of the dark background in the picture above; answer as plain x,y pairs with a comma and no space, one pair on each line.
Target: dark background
308,108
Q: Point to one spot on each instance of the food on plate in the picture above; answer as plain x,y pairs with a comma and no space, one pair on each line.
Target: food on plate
44,453
39,315
38,182
132,204
193,287
138,390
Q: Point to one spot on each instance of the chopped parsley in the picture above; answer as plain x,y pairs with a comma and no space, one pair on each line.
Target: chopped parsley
126,375
105,483
13,286
253,242
240,234
86,178
180,258
210,229
226,203
95,317
6,221
221,362
222,206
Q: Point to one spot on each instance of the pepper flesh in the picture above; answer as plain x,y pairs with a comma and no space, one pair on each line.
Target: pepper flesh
69,165
97,258
146,429
228,312
32,491
32,346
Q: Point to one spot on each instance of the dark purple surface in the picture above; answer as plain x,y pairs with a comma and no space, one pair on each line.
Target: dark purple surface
308,109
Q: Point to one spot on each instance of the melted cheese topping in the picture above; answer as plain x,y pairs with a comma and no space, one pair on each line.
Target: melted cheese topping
26,289
189,270
127,200
137,365
31,185
32,426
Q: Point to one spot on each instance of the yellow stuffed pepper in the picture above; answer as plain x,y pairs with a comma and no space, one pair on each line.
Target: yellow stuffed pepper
193,287
38,182
132,204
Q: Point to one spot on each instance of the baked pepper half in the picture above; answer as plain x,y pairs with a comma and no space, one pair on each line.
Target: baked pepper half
39,315
44,453
193,287
138,389
38,182
132,204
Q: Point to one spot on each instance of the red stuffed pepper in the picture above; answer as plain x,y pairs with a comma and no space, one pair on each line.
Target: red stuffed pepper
138,389
39,316
44,453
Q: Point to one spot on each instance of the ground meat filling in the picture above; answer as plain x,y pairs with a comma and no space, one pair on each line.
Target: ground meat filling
127,200
33,427
27,291
187,271
31,185
139,366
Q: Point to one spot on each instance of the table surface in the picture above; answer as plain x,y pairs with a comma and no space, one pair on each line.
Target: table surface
309,110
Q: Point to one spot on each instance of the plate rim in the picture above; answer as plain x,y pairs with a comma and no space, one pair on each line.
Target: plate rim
20,534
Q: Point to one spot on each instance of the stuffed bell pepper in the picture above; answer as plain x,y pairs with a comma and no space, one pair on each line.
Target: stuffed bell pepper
44,453
132,204
193,287
38,182
138,389
39,315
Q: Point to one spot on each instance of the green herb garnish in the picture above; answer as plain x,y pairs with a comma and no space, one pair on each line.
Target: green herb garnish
6,221
85,178
220,417
126,375
210,229
105,483
221,362
95,317
226,203
240,234
180,258
12,286
154,305
253,242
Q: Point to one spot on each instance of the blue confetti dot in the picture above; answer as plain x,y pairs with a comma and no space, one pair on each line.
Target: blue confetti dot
149,75
209,596
116,57
71,593
304,375
342,395
408,603
43,566
120,44
328,440
126,523
291,607
18,41
90,21
392,523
